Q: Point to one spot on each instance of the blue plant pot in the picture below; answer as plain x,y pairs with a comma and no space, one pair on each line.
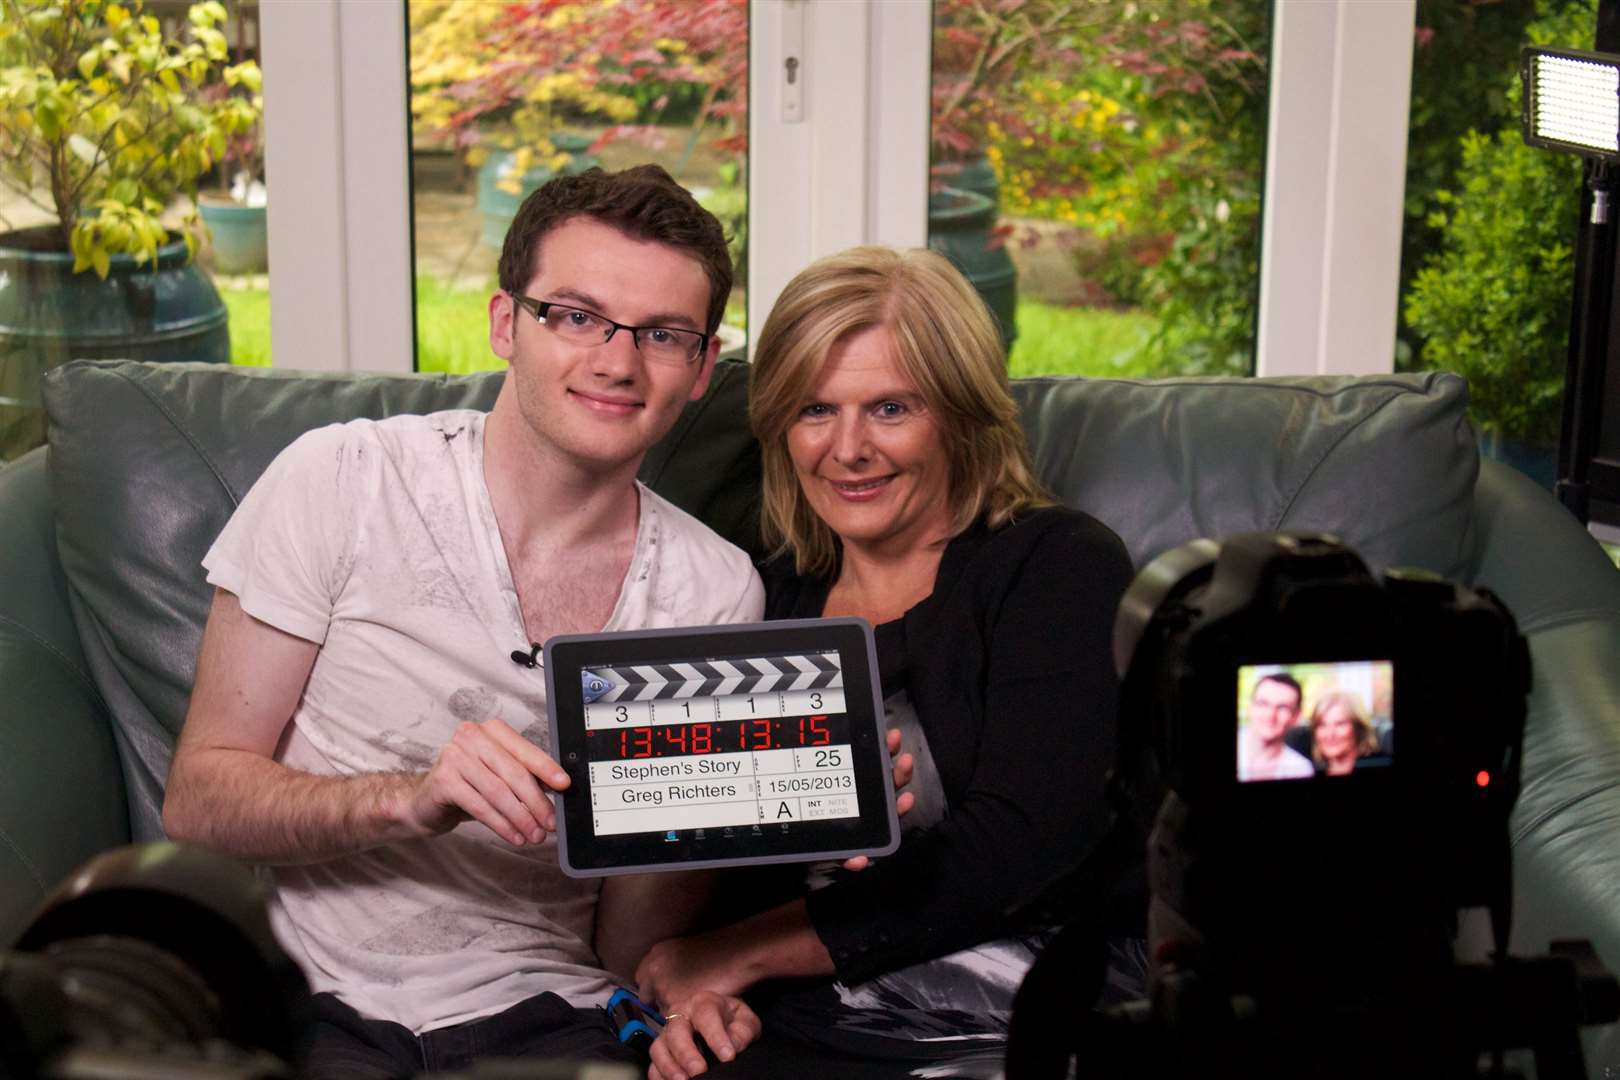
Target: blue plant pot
237,236
497,207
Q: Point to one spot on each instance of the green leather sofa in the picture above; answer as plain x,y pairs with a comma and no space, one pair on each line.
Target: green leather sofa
103,600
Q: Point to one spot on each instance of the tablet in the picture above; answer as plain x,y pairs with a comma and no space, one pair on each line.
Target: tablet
719,746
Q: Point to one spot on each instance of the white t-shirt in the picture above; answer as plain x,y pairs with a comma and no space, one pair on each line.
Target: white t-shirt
1290,764
378,541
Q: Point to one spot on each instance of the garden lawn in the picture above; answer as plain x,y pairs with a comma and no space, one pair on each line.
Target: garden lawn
1083,341
247,307
452,326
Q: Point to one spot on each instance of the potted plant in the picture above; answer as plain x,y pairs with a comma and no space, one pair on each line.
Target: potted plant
235,211
103,126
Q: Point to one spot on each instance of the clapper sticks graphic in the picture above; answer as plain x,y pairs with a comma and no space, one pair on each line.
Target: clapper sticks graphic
713,678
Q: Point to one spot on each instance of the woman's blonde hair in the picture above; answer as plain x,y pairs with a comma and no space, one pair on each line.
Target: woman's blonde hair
945,342
1366,736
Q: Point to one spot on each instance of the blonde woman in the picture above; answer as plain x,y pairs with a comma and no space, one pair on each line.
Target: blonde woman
898,487
1341,733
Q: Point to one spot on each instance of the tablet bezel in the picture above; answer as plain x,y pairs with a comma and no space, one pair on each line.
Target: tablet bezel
874,832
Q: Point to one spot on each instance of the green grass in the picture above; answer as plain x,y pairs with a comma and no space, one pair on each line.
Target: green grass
452,328
248,308
1083,341
452,325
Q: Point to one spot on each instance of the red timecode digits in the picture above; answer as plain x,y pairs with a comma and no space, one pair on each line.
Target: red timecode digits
701,739
754,734
813,731
635,744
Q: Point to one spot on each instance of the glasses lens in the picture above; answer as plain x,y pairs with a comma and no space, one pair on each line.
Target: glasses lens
575,324
669,346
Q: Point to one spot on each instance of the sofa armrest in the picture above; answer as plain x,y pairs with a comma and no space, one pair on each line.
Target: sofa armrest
1565,593
61,790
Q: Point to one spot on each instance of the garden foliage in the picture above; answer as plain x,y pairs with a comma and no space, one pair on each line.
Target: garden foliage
1493,304
511,75
1489,294
110,115
1143,125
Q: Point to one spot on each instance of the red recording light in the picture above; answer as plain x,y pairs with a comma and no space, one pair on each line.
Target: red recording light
1483,778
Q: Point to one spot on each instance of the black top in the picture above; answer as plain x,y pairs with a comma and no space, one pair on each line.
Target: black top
1008,663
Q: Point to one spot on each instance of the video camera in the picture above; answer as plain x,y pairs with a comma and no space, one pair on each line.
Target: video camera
1323,765
157,961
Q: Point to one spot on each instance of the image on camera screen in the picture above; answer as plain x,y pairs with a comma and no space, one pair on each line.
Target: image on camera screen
1296,721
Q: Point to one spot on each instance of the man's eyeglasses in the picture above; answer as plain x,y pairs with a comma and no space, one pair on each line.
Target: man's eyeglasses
663,344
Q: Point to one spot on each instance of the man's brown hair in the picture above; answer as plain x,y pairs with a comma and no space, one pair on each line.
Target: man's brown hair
643,202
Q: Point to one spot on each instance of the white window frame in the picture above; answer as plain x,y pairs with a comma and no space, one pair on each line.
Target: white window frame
338,171
1330,263
852,169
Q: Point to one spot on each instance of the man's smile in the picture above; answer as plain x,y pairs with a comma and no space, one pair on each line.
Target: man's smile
607,404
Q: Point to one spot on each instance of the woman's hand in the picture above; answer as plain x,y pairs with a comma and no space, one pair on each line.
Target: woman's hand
676,969
725,1022
779,943
903,800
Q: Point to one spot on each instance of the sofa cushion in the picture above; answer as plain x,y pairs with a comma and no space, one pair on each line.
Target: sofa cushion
1386,463
148,461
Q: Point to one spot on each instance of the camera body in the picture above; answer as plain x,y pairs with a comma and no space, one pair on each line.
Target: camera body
1276,864
1320,765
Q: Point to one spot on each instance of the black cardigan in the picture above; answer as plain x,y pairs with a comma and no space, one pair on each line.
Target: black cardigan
1008,663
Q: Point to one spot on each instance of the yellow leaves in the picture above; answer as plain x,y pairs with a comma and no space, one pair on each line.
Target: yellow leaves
555,86
206,14
566,15
116,17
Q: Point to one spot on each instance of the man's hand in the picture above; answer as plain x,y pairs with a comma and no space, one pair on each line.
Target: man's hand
489,773
726,1023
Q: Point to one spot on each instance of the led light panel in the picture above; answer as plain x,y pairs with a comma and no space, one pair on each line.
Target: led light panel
1572,101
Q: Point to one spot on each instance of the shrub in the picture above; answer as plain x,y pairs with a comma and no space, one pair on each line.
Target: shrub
1493,304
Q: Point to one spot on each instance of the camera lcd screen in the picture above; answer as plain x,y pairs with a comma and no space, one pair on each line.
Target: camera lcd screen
1300,721
720,746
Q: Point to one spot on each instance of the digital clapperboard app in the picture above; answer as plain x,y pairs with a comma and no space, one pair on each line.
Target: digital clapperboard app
720,745
711,743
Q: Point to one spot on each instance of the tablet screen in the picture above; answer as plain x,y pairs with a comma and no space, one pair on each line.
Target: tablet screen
719,746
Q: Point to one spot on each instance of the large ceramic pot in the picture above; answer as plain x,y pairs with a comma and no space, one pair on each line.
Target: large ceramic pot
237,234
49,315
497,207
961,226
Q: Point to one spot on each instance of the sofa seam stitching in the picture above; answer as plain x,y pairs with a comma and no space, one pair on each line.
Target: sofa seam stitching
22,857
1554,622
1219,381
61,658
1327,452
184,433
1554,811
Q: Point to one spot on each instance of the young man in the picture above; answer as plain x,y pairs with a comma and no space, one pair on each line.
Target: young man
358,723
1262,753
